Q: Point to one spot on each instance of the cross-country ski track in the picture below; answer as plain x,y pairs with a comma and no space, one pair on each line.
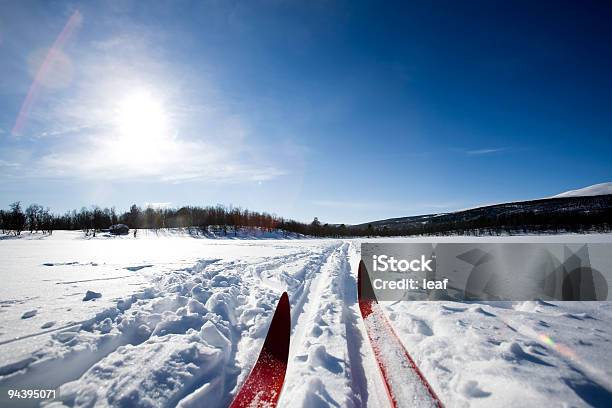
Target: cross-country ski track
185,327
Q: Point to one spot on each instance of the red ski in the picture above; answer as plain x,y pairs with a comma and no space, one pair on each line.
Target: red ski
265,381
405,384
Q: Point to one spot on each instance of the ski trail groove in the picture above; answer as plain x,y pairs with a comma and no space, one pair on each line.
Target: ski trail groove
354,337
318,372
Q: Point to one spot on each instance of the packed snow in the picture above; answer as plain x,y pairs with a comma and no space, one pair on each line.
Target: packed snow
170,318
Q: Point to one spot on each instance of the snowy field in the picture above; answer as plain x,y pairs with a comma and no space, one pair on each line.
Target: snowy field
171,320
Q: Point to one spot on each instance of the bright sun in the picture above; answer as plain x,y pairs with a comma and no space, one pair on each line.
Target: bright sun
142,136
141,119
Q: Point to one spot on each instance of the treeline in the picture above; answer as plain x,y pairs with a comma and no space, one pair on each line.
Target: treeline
34,218
552,216
37,218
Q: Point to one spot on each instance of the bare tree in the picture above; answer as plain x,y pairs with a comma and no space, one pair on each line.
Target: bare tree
34,214
17,218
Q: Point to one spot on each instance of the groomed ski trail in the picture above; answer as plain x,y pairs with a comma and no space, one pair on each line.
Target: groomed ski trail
329,364
318,343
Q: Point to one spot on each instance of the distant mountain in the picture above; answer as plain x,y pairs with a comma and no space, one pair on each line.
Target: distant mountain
572,213
594,190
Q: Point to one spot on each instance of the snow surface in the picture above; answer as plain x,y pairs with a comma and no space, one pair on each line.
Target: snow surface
594,190
180,322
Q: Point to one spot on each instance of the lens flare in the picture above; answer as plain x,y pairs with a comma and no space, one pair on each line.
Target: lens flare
560,348
56,50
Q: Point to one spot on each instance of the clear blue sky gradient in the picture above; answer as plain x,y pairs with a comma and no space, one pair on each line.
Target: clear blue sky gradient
347,111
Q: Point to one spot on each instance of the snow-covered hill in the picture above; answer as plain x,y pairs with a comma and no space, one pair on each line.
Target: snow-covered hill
594,190
556,214
590,206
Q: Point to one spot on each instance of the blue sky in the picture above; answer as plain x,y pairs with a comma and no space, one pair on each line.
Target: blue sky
347,111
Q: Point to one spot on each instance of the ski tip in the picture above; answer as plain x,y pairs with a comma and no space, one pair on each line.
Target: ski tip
264,383
365,292
279,333
360,276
